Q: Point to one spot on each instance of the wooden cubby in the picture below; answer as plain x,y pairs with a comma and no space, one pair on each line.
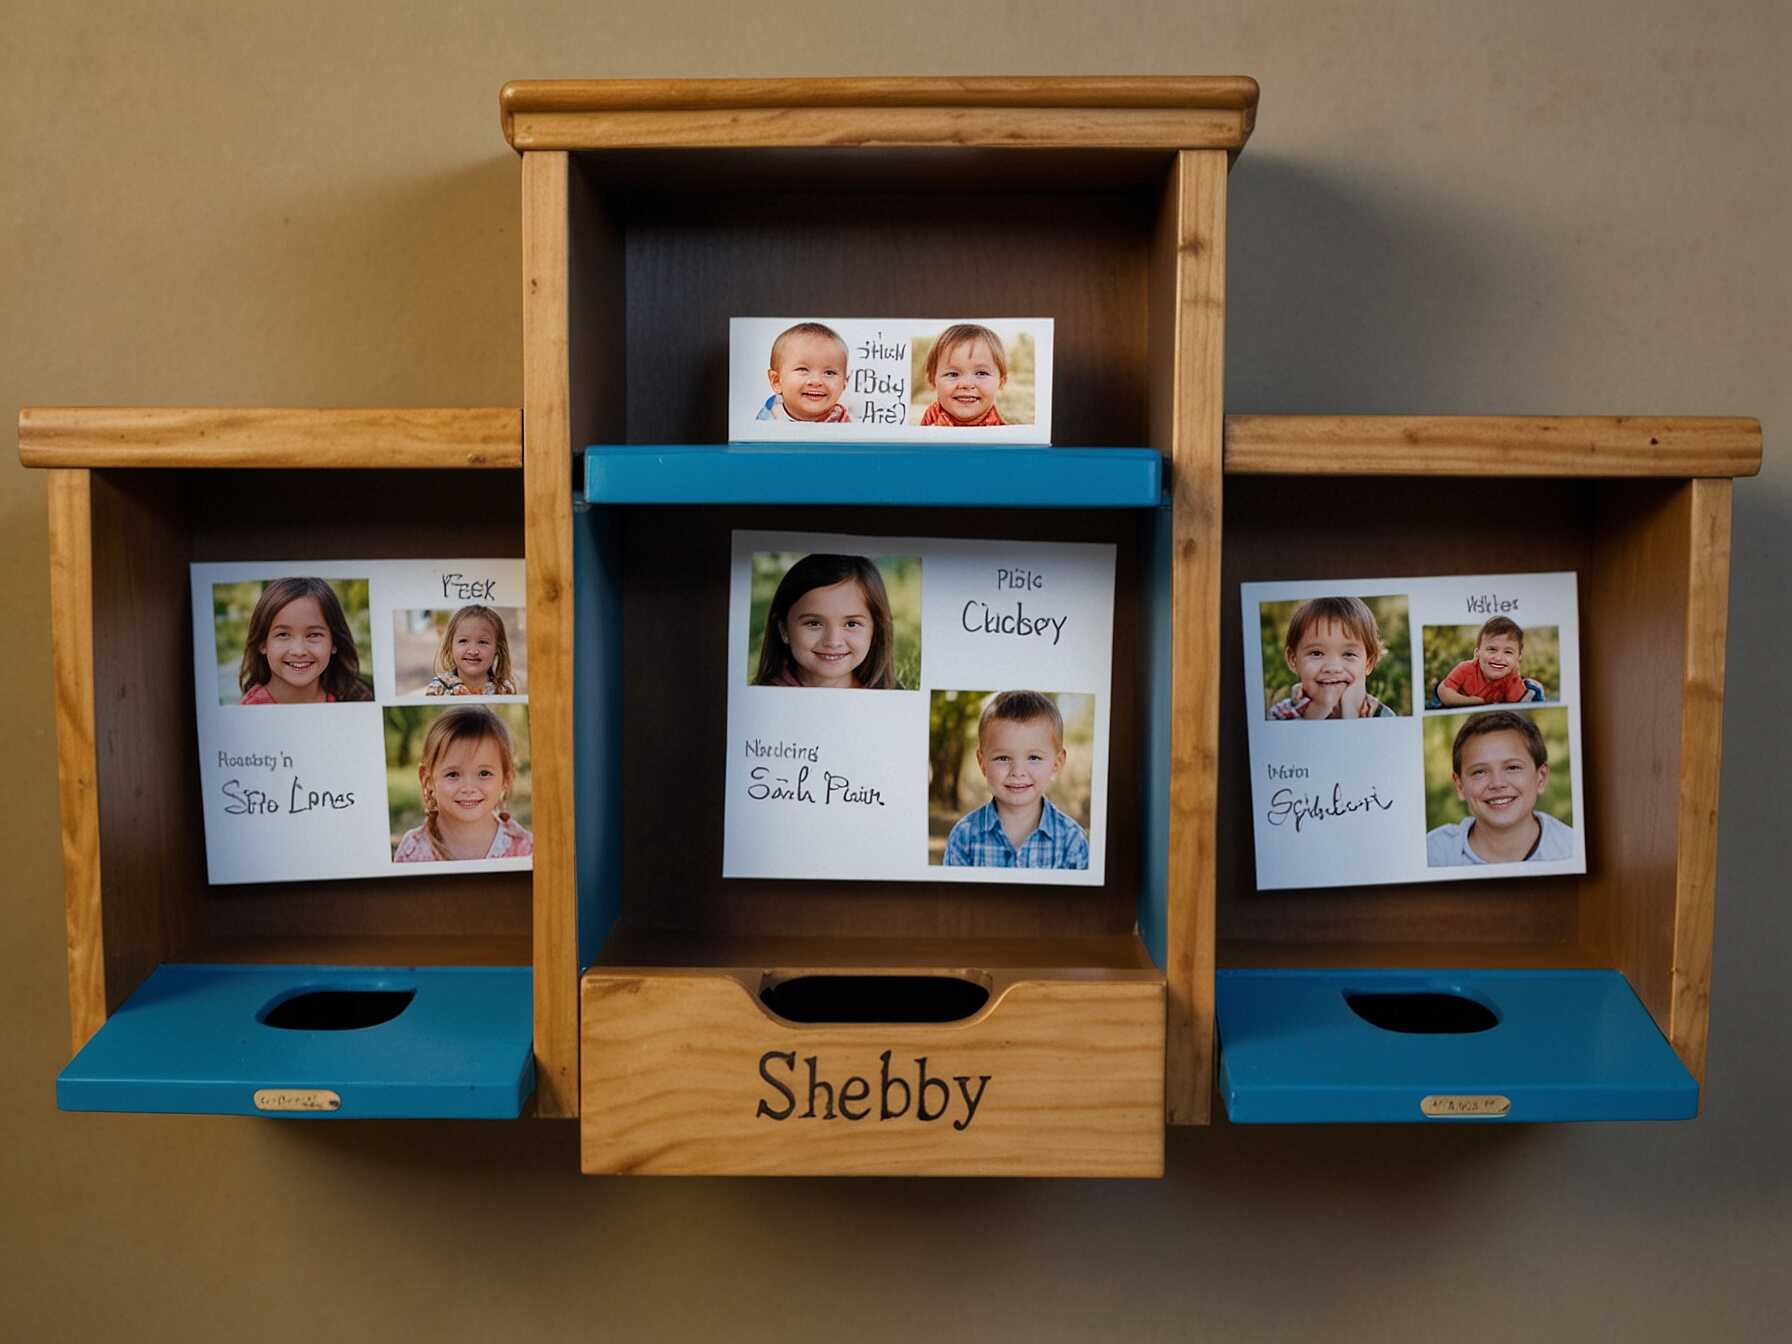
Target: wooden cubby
652,214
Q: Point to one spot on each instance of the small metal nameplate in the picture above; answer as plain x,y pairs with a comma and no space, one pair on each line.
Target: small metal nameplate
1446,1106
297,1099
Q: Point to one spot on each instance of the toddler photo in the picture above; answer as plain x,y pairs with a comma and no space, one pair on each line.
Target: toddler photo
1328,658
469,650
1009,779
962,378
807,373
458,783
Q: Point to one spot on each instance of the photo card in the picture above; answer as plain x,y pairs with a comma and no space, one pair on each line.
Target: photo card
355,717
944,381
1409,730
918,709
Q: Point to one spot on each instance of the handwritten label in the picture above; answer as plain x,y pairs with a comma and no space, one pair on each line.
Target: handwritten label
929,1097
764,786
1285,804
251,802
1443,1106
297,1099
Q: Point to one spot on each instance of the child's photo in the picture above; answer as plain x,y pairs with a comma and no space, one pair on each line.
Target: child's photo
971,376
1497,663
807,373
292,641
1010,779
457,782
1498,787
1336,658
841,622
453,651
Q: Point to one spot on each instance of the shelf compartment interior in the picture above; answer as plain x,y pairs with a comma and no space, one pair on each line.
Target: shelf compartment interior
314,1042
1360,1046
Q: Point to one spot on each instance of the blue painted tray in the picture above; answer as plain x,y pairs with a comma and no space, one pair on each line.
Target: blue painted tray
195,1039
887,474
1563,1045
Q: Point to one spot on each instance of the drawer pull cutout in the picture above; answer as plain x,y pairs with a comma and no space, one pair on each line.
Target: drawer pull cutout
336,1009
1423,1013
874,998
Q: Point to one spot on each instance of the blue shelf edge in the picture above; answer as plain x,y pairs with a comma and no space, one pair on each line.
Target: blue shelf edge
191,1041
904,475
1568,1046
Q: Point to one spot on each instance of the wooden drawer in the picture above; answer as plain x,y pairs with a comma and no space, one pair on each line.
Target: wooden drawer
687,1071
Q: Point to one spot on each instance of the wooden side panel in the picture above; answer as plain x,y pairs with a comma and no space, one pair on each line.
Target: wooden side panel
218,436
1701,745
746,127
1492,445
684,1073
71,646
547,490
1188,292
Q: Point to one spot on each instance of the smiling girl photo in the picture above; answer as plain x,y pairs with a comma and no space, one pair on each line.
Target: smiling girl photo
299,644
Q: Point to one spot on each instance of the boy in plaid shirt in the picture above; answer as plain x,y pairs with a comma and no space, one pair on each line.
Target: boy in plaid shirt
1020,749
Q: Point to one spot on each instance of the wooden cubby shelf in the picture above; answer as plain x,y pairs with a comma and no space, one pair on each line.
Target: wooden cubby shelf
625,980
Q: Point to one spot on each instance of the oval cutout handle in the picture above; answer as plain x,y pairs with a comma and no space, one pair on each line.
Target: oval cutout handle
874,998
1423,1012
336,1009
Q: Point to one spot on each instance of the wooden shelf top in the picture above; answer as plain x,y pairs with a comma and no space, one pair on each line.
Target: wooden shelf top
1183,111
1590,446
214,436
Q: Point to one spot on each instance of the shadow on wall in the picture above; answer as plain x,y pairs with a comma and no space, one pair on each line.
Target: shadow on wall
1384,297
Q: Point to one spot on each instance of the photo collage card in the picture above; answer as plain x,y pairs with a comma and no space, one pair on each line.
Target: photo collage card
890,380
358,718
909,709
1410,730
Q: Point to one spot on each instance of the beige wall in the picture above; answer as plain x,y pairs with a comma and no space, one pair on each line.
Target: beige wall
1513,207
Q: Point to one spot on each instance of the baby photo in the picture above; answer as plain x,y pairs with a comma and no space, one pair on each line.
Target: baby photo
1499,662
816,380
970,376
457,787
1498,788
467,650
839,622
292,641
1010,777
1336,657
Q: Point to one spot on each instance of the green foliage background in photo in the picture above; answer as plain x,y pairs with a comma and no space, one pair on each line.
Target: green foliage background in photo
1016,399
1390,682
1447,645
955,784
1442,806
405,727
902,581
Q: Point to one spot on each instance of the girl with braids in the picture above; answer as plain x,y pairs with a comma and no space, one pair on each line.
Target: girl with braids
466,772
299,650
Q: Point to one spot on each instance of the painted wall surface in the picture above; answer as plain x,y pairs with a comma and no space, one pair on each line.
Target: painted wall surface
1523,207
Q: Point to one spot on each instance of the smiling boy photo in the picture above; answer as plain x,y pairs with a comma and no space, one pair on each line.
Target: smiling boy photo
807,374
1333,647
1501,778
1020,753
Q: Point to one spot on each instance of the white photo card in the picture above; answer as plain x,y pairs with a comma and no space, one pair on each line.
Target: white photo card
909,709
1410,730
950,382
357,718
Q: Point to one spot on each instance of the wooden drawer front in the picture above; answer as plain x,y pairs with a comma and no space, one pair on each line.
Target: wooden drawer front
684,1072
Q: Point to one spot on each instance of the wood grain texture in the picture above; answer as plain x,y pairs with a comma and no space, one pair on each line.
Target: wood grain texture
941,127
1635,632
71,648
213,436
547,489
1701,749
1188,297
672,1082
1443,445
524,96
1060,956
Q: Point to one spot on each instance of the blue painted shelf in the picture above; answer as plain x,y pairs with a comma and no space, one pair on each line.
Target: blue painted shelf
198,1040
1558,1045
875,474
